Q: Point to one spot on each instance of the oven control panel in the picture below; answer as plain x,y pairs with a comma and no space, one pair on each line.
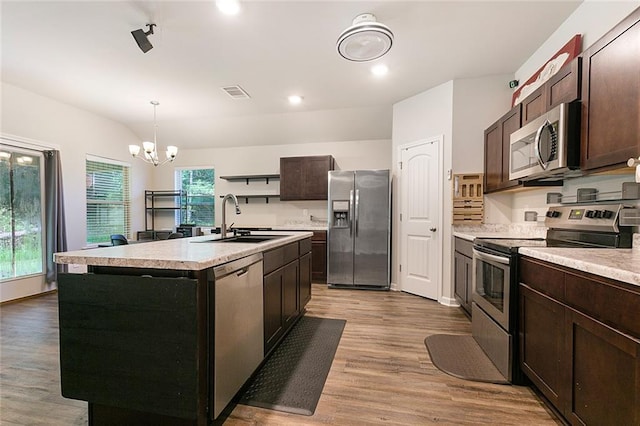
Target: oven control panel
594,217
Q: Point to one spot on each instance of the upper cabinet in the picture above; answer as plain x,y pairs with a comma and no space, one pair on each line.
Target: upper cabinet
564,86
305,178
610,132
496,151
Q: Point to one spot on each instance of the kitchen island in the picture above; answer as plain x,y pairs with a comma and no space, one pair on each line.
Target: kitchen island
167,332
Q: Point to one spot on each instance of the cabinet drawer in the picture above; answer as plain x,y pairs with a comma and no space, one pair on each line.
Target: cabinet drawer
274,259
319,236
610,304
305,245
545,279
464,247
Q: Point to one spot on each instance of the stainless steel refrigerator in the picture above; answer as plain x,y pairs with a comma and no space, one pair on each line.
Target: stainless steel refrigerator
359,233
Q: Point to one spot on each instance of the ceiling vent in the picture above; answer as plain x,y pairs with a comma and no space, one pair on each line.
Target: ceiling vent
236,92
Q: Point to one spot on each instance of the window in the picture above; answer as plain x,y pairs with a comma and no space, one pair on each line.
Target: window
108,200
21,233
200,187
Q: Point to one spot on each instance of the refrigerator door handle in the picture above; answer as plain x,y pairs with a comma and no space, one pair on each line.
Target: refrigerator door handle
351,212
357,210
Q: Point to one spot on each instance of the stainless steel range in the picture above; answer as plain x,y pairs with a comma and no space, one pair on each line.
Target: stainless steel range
495,274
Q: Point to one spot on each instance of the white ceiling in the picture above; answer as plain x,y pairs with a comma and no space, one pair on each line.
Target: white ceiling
82,53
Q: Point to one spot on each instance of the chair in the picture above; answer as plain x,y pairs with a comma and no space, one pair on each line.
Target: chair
118,240
175,235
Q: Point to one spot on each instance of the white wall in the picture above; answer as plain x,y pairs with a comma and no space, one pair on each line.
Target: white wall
349,155
423,116
75,133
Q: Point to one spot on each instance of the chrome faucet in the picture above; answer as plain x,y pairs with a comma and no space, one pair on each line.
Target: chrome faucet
223,226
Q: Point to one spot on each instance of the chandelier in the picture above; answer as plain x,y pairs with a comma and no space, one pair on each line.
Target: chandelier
151,148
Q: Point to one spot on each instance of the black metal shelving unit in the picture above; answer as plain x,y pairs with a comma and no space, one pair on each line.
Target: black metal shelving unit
158,202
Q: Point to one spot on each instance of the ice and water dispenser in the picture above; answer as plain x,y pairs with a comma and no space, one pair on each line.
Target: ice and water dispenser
340,214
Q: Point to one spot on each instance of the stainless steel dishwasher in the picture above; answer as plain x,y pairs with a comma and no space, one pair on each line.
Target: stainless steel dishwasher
239,329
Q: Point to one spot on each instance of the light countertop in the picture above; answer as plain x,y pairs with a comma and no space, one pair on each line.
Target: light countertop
618,264
194,253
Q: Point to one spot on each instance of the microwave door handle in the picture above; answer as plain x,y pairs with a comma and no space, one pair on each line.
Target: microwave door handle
538,140
486,256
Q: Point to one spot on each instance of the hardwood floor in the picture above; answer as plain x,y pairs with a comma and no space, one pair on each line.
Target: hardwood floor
381,373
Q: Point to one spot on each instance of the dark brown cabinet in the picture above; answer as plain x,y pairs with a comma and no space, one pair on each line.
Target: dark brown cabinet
563,86
319,255
305,178
580,342
287,289
496,151
610,132
462,258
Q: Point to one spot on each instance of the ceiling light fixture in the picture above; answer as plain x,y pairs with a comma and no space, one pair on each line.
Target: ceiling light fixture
151,148
228,7
141,37
295,99
379,70
365,39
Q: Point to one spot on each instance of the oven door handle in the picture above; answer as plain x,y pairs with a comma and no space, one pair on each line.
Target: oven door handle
486,256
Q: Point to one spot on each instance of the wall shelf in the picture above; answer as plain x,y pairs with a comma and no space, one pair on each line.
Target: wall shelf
247,178
265,196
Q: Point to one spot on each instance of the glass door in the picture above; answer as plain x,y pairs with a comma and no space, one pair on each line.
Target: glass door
21,213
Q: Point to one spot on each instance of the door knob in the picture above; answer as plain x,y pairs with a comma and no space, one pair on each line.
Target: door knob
432,229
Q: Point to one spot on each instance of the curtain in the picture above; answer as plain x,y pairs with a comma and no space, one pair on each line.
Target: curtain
55,229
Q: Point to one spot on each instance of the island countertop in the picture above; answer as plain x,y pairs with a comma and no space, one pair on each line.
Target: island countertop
194,253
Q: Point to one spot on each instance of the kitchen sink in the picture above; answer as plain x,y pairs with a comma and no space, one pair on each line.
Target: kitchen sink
249,239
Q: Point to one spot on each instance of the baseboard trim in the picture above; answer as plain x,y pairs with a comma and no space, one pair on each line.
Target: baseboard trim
448,301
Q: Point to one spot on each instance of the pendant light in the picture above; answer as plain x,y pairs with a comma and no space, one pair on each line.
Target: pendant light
151,148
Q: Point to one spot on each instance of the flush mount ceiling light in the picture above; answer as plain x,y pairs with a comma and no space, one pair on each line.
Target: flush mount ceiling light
365,39
151,148
141,37
295,99
228,7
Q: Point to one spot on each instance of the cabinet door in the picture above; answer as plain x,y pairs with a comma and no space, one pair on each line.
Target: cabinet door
273,325
289,293
542,338
565,85
496,151
291,182
534,105
462,280
492,158
605,381
305,280
316,178
611,97
319,255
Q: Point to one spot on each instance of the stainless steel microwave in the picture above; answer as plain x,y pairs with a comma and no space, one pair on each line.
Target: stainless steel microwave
548,146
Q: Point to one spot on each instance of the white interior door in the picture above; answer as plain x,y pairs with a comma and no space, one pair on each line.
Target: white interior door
421,247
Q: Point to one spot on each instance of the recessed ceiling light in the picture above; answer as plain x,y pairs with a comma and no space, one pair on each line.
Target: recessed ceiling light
228,7
295,99
379,70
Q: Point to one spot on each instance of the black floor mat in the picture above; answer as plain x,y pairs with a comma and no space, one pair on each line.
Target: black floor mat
461,356
292,378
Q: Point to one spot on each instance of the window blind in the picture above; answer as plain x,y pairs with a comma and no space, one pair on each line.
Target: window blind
108,200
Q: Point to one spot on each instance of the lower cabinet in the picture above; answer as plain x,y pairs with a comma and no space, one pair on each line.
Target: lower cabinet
580,343
319,253
287,289
462,273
